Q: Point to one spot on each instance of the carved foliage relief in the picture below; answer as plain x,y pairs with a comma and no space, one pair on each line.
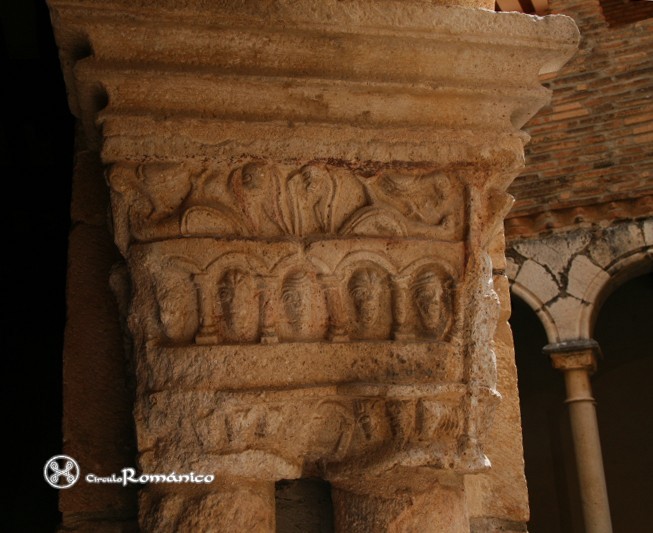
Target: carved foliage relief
256,199
274,253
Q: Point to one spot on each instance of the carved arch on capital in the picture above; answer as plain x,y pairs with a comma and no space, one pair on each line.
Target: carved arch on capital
363,256
292,261
425,262
250,262
182,263
320,266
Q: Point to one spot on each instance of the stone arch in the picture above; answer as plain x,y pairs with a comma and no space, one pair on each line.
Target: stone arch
532,300
245,260
418,264
364,256
566,276
631,264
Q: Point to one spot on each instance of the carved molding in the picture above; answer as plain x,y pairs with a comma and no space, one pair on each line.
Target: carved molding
523,223
300,80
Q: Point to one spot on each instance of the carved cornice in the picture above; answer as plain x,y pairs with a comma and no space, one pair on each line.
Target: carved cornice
349,80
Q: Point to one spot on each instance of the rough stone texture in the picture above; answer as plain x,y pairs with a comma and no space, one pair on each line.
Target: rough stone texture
582,269
648,232
504,447
534,275
241,506
443,507
556,257
309,198
494,525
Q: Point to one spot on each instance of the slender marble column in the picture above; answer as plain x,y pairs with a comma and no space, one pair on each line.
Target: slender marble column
577,360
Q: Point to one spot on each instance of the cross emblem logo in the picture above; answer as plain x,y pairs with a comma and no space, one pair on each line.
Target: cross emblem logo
61,471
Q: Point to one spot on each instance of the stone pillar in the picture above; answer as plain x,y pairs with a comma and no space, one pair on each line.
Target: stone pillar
393,508
305,194
577,360
230,505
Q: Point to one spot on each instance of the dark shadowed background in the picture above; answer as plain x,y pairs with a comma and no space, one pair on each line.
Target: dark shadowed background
36,156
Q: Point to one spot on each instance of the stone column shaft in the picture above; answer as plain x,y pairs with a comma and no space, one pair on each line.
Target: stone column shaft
577,360
235,506
442,508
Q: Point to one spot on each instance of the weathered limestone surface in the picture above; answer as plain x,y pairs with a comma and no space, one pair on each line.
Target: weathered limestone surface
309,197
501,492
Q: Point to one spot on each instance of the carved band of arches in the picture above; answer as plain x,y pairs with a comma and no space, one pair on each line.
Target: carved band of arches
280,292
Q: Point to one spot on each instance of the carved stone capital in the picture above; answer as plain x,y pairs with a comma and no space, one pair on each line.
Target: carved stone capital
574,355
305,193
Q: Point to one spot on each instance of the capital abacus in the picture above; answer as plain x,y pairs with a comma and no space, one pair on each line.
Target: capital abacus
129,476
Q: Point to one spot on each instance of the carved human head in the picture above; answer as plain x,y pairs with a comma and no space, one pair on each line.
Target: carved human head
365,291
229,283
428,300
295,296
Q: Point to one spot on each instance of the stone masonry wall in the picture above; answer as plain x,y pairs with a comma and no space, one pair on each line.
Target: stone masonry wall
591,153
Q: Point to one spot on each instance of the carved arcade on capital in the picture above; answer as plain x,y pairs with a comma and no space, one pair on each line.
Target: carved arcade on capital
307,236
